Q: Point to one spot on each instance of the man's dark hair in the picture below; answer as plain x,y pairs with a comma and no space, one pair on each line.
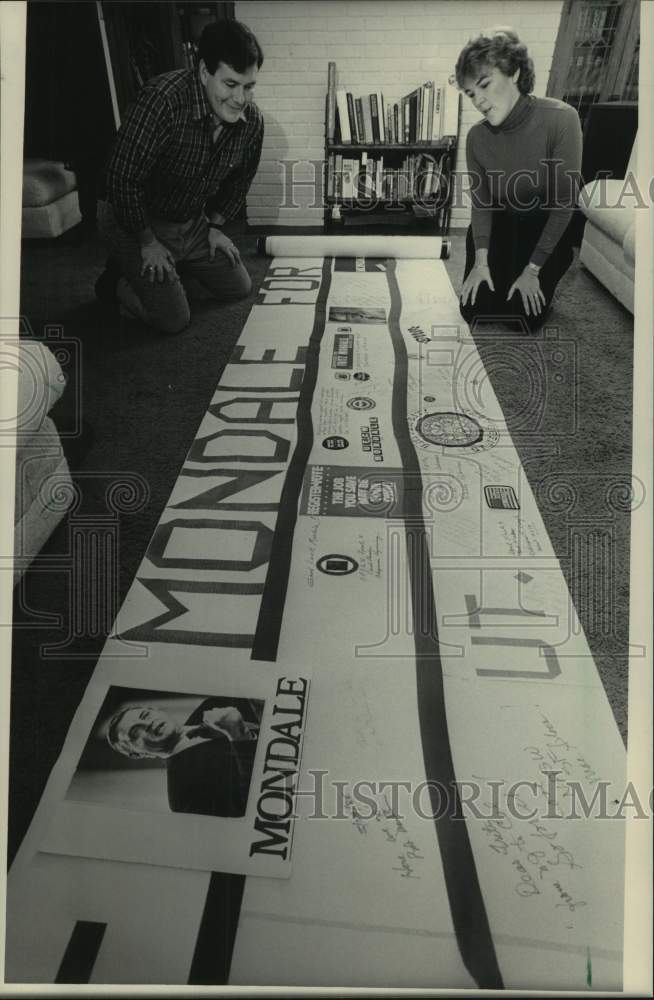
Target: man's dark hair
229,42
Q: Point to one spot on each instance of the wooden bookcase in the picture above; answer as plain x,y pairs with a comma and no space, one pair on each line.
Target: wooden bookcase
385,210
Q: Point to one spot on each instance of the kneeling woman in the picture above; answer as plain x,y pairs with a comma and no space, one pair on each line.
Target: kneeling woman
523,163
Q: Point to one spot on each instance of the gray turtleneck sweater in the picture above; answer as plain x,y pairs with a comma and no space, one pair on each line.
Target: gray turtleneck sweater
531,160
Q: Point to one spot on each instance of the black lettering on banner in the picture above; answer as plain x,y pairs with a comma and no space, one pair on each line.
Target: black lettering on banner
163,533
553,667
281,743
280,288
263,414
297,688
81,953
475,612
284,729
269,357
292,284
241,480
155,629
275,814
91,931
277,782
294,385
279,297
277,834
281,765
289,271
198,452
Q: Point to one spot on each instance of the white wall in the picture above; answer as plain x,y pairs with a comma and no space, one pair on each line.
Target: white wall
387,45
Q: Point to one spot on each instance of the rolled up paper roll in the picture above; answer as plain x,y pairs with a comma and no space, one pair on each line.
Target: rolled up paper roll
400,247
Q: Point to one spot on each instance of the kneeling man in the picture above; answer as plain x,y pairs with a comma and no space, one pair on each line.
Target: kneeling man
184,158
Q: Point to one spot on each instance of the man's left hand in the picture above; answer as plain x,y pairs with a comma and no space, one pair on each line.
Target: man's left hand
529,287
218,241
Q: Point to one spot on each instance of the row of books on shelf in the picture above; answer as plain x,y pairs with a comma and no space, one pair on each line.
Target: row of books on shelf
429,113
368,178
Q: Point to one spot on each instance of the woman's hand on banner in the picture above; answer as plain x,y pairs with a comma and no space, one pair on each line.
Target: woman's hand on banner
529,287
479,274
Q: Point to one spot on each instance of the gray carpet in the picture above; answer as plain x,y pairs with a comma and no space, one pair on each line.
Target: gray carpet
145,395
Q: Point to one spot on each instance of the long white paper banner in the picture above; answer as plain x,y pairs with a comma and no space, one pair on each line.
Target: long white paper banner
352,514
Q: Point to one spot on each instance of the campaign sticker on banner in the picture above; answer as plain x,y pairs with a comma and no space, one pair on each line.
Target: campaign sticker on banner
360,265
356,314
343,352
349,491
361,403
501,498
335,443
451,430
203,780
371,439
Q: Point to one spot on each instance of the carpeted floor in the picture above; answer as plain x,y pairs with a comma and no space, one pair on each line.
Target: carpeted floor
144,396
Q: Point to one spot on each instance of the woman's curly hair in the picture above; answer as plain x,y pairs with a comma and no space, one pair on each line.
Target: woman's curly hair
499,47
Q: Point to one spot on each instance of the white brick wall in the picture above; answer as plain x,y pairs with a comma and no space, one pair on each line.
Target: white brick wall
387,45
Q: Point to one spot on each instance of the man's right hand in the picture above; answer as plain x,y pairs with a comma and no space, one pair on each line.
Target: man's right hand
227,720
157,262
477,276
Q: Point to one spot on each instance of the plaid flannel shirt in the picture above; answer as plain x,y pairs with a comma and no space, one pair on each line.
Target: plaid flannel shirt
165,163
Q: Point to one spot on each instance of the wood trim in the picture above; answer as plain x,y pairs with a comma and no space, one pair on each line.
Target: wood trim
622,52
107,58
620,57
563,49
119,52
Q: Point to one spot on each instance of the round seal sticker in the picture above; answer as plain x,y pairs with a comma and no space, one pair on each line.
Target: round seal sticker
335,443
452,430
337,565
361,403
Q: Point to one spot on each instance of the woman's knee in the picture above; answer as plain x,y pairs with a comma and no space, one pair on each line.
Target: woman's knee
534,323
466,311
486,306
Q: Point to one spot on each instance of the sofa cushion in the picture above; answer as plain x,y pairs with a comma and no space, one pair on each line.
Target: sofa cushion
48,221
43,485
41,382
600,202
629,245
44,181
606,260
43,493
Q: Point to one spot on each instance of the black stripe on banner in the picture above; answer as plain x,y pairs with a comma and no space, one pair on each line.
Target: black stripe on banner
212,958
81,952
464,892
266,638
